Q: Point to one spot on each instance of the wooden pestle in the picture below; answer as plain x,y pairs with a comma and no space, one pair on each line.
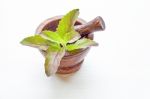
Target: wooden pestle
94,25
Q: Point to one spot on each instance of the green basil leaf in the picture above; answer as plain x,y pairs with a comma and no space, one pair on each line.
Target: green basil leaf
36,41
66,24
71,36
52,36
82,43
53,58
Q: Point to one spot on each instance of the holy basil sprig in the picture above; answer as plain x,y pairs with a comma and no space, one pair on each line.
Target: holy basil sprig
65,38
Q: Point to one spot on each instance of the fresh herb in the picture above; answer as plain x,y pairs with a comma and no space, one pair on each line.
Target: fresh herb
65,38
82,43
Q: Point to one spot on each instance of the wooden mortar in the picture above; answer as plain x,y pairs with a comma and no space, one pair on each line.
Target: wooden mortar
72,61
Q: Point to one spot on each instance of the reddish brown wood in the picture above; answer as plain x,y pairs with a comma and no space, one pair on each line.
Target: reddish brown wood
94,25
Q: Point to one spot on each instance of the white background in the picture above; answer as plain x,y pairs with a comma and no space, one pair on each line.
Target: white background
118,69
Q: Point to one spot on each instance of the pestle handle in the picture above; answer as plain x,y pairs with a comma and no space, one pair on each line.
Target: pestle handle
94,25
